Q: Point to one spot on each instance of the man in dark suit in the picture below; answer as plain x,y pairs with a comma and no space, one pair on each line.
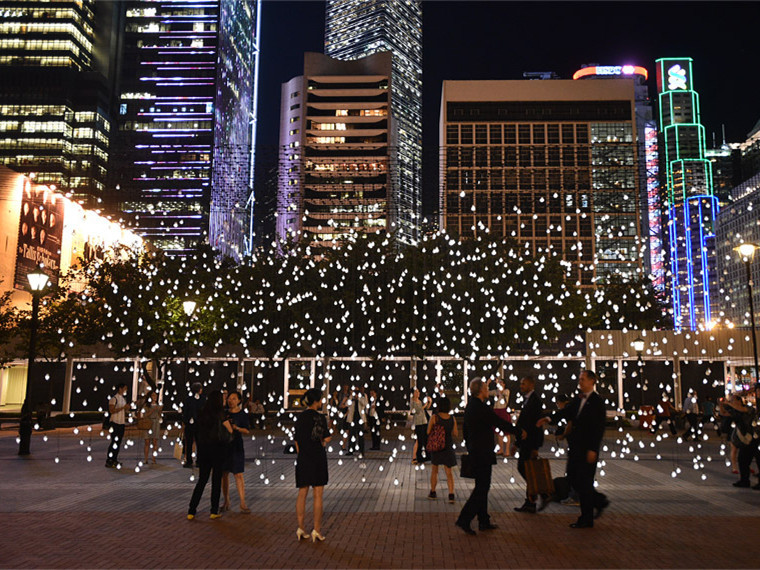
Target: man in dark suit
531,412
479,421
584,436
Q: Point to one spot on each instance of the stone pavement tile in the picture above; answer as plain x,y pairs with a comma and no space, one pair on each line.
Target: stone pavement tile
372,540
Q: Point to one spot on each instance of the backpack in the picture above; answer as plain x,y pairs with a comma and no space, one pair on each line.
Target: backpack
437,438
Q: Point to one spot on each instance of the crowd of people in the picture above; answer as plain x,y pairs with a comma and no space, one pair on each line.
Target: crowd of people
214,427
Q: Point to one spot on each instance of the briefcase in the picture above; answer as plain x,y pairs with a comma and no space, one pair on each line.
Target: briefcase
538,473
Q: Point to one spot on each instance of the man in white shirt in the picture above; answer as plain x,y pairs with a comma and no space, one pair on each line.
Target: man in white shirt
691,409
117,407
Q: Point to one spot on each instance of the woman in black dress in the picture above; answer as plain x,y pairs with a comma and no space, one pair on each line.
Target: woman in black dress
214,437
311,466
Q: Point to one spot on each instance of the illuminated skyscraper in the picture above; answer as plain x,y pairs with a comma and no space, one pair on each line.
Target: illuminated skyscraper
358,28
186,126
335,129
55,60
691,205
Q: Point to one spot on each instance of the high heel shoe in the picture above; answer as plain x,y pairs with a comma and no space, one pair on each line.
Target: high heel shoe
315,536
301,533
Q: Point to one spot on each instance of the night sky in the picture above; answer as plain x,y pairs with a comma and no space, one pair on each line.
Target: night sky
501,40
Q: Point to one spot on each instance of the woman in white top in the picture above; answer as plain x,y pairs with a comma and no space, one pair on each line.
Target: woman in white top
151,411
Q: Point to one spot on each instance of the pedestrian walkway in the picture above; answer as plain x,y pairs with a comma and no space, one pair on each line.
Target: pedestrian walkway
672,506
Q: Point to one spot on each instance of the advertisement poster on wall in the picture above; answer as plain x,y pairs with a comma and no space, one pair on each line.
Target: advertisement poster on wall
39,235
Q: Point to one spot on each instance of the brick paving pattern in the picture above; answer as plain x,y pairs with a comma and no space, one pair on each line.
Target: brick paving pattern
74,513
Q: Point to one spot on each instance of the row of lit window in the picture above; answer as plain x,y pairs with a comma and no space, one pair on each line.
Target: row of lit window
39,27
155,27
538,133
38,60
151,12
51,13
166,125
39,45
196,43
346,167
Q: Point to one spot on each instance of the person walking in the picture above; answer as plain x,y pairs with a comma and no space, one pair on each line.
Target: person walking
190,409
744,436
356,415
235,462
479,421
584,436
419,423
214,438
665,412
530,414
150,416
691,410
117,413
312,434
375,416
446,456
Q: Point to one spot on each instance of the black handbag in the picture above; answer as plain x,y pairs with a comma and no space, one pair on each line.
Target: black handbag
467,470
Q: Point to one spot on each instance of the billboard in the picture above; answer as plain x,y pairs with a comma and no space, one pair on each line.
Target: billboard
39,234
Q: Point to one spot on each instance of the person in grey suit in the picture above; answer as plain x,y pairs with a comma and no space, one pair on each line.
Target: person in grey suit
479,423
584,435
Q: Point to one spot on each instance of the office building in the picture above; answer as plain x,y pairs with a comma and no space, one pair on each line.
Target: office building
691,205
335,129
726,170
56,60
648,179
738,222
183,153
552,164
355,29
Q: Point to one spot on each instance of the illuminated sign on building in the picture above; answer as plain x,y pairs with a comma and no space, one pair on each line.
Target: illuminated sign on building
39,234
677,78
607,70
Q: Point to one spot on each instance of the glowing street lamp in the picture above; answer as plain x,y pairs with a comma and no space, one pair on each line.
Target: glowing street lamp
37,283
638,346
747,253
189,308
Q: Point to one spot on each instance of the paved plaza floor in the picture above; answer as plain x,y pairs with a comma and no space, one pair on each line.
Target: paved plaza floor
673,506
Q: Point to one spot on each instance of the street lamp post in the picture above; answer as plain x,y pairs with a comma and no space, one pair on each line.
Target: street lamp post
189,308
37,282
638,346
747,252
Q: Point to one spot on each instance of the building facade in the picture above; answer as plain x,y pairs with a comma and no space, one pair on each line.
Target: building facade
691,204
552,164
336,134
56,62
738,222
183,153
648,164
356,29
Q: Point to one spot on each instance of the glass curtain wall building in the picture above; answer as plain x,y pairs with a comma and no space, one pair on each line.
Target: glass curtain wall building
738,222
55,60
648,163
691,204
183,152
358,28
552,164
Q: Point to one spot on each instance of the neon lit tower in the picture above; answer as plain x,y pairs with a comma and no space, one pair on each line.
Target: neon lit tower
184,151
355,29
691,205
